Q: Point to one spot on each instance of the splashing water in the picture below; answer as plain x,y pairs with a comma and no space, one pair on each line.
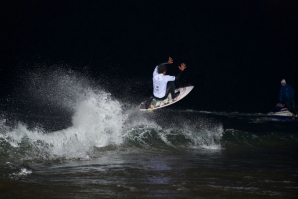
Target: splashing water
98,121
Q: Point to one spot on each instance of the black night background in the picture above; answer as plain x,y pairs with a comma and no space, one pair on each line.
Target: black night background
236,52
74,73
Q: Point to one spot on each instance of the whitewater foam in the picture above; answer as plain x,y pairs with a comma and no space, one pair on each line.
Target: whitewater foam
98,121
23,172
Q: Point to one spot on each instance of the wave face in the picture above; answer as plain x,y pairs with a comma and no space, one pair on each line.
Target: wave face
99,123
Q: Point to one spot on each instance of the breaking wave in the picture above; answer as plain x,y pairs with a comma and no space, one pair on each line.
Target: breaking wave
99,124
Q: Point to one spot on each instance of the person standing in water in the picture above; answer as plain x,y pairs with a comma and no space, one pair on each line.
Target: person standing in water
286,96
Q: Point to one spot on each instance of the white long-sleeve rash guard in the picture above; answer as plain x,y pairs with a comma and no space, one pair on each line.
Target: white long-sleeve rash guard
160,83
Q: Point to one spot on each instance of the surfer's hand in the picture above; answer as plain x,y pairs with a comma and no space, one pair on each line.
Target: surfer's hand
182,66
170,61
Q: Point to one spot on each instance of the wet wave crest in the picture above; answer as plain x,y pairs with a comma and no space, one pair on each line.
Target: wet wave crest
99,123
174,138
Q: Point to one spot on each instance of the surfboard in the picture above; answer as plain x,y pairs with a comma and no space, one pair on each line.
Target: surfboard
157,104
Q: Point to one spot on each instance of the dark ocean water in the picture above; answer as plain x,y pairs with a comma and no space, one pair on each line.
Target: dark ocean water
72,74
151,155
100,147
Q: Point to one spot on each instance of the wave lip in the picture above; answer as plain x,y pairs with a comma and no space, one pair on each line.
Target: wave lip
98,123
156,137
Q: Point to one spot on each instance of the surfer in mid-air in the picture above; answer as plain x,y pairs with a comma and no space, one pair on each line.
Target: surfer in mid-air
164,84
164,91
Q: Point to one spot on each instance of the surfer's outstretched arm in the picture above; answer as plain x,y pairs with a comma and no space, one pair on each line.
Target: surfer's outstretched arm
155,72
170,61
182,67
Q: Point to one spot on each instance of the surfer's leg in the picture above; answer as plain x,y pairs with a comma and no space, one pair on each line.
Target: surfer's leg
171,89
148,102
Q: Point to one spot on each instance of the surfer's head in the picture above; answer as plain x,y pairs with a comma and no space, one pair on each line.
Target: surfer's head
283,82
162,68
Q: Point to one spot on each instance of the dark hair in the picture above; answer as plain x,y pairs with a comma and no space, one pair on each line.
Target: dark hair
161,68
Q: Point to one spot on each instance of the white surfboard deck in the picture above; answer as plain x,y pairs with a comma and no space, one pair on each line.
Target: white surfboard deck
183,92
